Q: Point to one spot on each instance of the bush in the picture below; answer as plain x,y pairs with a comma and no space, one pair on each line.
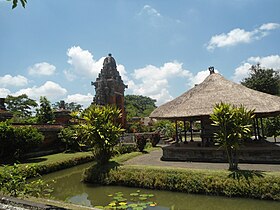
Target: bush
124,148
13,182
16,141
26,138
155,138
69,136
140,141
250,184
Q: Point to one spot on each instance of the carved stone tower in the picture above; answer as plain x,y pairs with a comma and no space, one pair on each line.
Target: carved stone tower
109,87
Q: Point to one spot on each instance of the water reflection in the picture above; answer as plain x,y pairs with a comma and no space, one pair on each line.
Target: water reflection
68,187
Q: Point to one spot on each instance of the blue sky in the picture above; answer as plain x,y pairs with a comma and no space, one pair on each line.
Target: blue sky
162,47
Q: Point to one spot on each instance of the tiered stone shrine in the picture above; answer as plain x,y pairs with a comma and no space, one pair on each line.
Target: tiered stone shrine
109,87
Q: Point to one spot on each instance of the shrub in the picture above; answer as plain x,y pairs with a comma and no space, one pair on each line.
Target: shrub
155,138
140,141
26,139
14,182
250,184
70,137
6,139
16,141
124,148
101,130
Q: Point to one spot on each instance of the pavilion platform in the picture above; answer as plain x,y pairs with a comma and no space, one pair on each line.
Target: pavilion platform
251,152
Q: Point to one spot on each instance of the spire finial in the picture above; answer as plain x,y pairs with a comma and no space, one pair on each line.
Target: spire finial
211,69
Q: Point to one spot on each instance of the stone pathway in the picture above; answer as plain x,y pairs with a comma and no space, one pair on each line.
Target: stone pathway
153,158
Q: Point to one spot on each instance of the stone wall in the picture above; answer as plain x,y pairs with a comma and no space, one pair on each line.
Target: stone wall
216,154
50,132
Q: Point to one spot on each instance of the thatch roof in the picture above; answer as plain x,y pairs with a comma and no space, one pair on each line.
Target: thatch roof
200,100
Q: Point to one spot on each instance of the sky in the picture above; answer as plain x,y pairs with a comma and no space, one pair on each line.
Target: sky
162,47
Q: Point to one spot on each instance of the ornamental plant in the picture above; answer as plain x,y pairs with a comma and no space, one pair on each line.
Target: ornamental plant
234,125
101,130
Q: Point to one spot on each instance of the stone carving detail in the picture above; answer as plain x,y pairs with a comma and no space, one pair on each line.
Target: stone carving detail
109,87
108,83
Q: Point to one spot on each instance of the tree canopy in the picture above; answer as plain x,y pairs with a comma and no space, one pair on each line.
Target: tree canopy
15,3
45,112
264,80
20,106
139,106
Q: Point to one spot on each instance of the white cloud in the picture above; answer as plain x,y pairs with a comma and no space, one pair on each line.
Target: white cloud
154,81
269,26
152,17
70,76
239,36
82,62
44,69
241,72
9,80
150,11
4,92
51,90
84,100
272,61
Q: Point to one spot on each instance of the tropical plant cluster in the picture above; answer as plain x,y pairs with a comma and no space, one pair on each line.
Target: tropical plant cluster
13,182
17,141
234,126
249,184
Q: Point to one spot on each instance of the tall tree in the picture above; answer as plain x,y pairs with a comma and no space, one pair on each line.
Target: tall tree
45,113
21,106
138,106
264,80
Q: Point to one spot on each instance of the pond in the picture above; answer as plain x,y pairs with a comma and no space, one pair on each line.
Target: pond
69,188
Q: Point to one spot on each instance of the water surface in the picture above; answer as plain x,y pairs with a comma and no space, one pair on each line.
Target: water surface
69,188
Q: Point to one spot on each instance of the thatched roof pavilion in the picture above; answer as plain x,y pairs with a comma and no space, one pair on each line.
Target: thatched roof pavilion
201,99
198,103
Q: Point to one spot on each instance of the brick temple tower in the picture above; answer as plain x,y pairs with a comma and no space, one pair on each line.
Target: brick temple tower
109,87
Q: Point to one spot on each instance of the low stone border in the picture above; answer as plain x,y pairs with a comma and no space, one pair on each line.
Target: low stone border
17,204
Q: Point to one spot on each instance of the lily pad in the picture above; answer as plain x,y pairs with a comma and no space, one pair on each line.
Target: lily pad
134,194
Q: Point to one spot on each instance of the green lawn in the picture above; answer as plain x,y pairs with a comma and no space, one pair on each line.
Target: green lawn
55,160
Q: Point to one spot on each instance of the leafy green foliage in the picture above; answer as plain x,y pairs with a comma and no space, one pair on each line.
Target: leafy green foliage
273,127
16,141
168,128
138,106
15,3
14,182
101,130
45,113
20,106
264,80
234,124
70,137
249,184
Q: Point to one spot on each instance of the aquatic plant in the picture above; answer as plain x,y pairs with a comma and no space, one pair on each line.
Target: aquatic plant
133,201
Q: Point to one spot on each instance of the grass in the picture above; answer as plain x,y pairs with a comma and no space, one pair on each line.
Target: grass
55,162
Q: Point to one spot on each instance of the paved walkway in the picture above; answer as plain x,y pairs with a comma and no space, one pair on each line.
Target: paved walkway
153,158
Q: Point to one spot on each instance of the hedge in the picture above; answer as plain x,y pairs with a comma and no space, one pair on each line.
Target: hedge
248,184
